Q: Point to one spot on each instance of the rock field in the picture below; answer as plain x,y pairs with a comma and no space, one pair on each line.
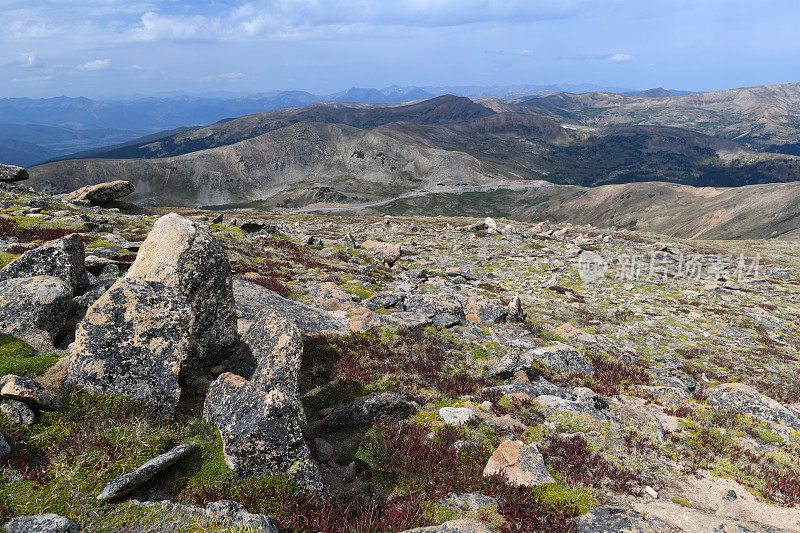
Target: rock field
189,370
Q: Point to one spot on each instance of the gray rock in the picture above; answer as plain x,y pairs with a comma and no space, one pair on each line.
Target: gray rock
488,311
324,450
745,399
384,407
232,514
674,377
521,464
62,258
516,313
41,523
445,321
404,320
18,412
613,520
126,483
473,501
456,416
5,449
533,390
560,356
134,341
34,309
185,256
463,525
435,304
382,300
25,389
9,173
253,300
598,411
260,431
102,192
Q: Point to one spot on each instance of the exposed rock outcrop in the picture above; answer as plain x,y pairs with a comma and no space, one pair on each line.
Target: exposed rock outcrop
34,309
102,192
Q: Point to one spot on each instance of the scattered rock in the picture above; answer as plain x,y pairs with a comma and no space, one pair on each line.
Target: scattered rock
126,483
324,450
185,256
435,304
613,520
253,300
383,407
62,258
454,526
27,390
383,300
41,523
5,449
260,431
18,412
456,416
387,252
10,173
560,356
34,309
135,341
473,501
747,400
520,463
405,320
101,193
516,313
232,514
487,311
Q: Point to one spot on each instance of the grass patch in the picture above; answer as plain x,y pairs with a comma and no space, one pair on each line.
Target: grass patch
16,357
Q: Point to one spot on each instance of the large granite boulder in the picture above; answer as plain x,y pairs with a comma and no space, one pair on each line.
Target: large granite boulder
260,431
62,258
34,309
102,192
185,256
9,173
28,390
253,300
134,341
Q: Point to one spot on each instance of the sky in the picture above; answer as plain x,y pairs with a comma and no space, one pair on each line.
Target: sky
114,48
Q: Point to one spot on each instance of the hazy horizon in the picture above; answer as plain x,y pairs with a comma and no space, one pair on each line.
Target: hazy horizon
118,48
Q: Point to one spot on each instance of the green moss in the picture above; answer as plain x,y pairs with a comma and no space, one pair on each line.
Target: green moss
16,357
682,501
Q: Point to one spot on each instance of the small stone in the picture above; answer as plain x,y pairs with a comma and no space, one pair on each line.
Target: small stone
27,390
349,473
521,464
41,523
5,449
128,482
324,450
18,412
456,416
651,492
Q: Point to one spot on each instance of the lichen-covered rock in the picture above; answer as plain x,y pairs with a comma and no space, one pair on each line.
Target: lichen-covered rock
25,389
382,300
41,523
520,463
613,520
253,300
62,258
381,407
260,431
482,309
387,252
435,304
128,482
134,341
102,192
18,412
747,400
272,347
456,416
232,514
185,255
560,356
9,173
464,525
34,309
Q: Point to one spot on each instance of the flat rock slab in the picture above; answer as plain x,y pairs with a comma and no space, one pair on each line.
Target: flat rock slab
382,407
9,173
27,390
34,309
128,482
561,356
41,523
18,412
454,526
403,320
62,258
133,342
613,520
5,449
260,431
102,192
387,252
253,300
521,464
745,399
456,416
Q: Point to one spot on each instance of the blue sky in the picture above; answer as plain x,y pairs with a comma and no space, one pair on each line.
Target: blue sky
119,47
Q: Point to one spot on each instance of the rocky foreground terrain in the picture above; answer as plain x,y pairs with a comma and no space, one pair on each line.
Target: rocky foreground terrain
245,371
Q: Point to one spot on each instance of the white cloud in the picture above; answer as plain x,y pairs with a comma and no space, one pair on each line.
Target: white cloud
230,76
620,58
32,79
96,64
